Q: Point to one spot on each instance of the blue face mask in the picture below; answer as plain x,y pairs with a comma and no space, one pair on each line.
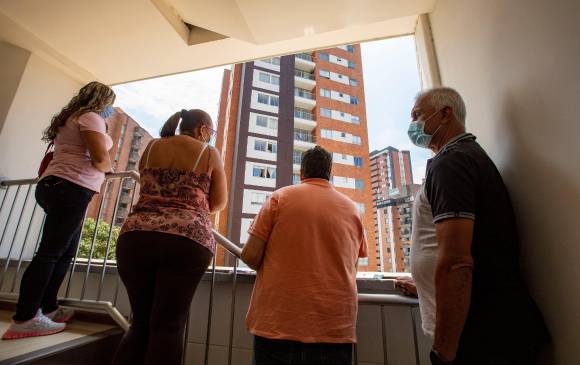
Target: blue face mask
417,133
107,112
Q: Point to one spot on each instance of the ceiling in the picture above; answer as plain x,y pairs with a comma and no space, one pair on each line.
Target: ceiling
119,41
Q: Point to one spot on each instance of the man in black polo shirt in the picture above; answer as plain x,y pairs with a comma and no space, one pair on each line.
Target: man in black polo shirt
483,312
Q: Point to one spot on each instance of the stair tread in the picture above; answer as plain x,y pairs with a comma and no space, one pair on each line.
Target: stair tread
76,333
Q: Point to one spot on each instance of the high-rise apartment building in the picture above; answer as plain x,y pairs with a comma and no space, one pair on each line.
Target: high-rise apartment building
130,141
271,111
393,191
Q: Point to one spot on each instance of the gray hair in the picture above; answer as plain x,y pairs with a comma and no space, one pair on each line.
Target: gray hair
440,97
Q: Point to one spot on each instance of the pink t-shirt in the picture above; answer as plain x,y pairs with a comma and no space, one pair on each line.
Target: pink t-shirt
305,289
72,160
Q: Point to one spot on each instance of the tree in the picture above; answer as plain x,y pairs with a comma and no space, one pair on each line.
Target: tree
100,245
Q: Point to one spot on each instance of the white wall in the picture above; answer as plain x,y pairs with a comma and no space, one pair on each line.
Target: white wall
42,92
517,65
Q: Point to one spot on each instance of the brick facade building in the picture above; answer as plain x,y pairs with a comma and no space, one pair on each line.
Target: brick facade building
130,141
393,193
274,109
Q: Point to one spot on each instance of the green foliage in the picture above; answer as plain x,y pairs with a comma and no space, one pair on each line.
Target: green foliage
100,246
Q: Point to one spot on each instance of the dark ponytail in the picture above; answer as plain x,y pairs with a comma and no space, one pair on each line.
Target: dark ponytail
190,120
170,126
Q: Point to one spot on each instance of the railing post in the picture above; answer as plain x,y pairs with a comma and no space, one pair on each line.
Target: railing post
15,233
209,312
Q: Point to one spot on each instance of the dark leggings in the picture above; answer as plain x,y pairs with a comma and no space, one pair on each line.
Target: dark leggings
161,272
65,204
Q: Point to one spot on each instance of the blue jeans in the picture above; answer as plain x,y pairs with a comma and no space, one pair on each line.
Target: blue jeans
283,352
65,204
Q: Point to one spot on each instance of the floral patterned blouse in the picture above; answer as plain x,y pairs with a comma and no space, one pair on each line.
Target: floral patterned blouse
173,201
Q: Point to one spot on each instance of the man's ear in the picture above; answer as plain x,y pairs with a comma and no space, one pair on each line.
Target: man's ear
446,112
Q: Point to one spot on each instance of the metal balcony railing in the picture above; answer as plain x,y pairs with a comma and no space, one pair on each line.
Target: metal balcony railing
304,75
305,56
303,93
21,222
304,136
304,114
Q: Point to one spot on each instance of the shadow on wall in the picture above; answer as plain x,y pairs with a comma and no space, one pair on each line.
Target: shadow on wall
547,207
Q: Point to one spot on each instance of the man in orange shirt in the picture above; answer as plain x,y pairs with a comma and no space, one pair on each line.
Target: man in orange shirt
305,244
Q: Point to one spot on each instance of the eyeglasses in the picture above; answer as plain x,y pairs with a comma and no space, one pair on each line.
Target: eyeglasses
213,132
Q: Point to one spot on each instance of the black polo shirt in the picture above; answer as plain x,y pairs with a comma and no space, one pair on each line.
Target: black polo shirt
463,182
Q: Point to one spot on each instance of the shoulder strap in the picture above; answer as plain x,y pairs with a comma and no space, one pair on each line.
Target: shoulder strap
149,152
199,157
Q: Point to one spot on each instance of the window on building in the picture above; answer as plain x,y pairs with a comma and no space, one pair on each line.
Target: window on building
323,56
259,198
353,82
350,48
273,60
358,161
355,119
267,99
266,122
326,133
325,112
356,140
343,134
351,64
325,74
295,179
265,146
269,78
354,100
360,207
325,92
264,172
262,121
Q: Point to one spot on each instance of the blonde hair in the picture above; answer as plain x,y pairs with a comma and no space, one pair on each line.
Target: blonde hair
93,97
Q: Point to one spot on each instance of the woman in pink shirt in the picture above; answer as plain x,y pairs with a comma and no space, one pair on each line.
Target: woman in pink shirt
64,191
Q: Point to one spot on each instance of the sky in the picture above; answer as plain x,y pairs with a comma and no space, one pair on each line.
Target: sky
391,81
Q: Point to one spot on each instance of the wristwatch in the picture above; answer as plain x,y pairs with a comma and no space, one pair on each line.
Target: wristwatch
436,359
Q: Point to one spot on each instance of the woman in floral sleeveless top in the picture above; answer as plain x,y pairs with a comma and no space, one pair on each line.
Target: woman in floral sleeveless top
166,243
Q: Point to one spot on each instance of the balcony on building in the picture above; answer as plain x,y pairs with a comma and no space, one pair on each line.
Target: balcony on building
304,119
134,156
305,62
296,161
303,139
304,99
304,80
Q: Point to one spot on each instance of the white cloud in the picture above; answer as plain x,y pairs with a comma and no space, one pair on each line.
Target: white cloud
151,102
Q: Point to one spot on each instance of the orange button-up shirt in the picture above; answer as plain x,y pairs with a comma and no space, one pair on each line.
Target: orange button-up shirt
305,289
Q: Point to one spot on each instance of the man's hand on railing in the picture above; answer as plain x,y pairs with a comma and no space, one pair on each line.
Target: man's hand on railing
406,285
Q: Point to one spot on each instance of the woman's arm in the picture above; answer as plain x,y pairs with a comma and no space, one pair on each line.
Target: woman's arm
96,145
218,194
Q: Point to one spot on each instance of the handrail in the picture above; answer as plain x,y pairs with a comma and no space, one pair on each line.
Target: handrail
384,299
